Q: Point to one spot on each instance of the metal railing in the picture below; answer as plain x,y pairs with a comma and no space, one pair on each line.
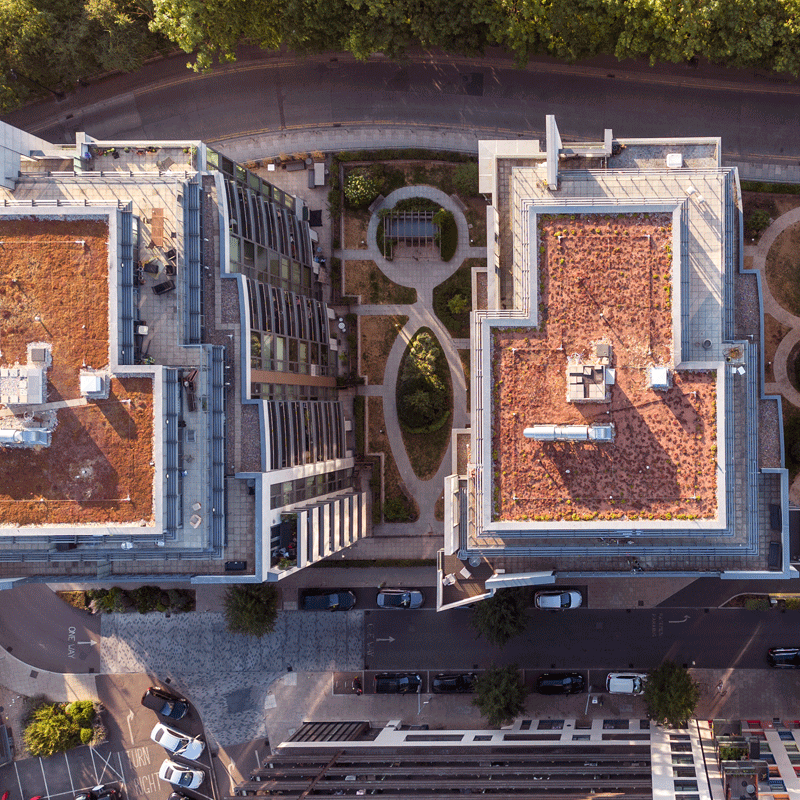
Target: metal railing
193,310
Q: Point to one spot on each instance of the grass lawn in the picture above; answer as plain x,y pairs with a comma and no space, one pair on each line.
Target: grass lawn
426,450
398,506
365,279
459,283
783,269
377,337
791,438
438,509
464,356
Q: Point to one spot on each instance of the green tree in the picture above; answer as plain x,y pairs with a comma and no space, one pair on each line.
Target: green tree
251,608
502,616
671,694
458,304
500,695
360,188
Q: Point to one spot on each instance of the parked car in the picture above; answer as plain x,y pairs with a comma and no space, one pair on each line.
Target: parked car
178,775
177,743
560,683
784,657
464,682
626,682
329,601
98,792
397,683
400,598
558,600
165,703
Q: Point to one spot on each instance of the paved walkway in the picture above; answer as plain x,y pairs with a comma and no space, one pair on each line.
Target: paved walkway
423,275
759,252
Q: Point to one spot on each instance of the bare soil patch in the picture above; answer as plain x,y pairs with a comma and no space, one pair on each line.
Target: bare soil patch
398,504
438,509
774,332
476,220
783,269
365,279
377,337
355,229
661,464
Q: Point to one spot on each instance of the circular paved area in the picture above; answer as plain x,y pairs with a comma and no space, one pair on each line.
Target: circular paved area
423,275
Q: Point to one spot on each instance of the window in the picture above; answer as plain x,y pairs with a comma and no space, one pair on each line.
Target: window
685,786
678,758
550,724
581,737
615,724
685,772
680,747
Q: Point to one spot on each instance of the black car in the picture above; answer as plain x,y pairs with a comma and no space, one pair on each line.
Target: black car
446,684
98,792
784,657
165,703
397,683
342,600
559,683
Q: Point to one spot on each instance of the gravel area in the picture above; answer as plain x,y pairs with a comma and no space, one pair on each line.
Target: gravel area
229,302
481,290
251,442
769,444
748,316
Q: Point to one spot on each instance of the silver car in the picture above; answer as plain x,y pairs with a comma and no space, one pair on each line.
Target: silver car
558,600
400,598
178,743
178,775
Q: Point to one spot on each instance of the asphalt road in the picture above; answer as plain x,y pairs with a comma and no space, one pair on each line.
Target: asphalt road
581,639
45,632
757,116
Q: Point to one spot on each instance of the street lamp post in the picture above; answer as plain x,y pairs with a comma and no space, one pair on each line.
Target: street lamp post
14,75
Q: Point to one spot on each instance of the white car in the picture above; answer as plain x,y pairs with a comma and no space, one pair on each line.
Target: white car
178,743
626,682
182,776
558,600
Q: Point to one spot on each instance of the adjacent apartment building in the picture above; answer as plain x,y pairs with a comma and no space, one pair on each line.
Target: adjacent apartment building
168,401
618,420
572,759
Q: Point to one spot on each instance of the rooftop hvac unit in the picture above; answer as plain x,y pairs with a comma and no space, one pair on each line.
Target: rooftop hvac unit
674,160
570,433
660,378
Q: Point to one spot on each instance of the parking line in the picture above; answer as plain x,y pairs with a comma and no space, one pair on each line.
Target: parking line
44,778
19,782
69,772
94,766
121,768
107,766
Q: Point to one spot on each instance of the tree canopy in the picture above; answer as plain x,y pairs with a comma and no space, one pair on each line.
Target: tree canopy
671,694
50,44
251,608
500,695
502,616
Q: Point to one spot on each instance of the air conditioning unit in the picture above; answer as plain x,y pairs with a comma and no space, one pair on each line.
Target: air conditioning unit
315,370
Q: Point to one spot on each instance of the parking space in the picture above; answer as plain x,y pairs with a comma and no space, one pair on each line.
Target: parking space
128,759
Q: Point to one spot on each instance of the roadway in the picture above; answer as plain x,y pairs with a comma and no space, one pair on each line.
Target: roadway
757,116
581,639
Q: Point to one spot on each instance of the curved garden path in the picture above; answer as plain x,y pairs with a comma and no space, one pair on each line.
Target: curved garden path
423,276
781,385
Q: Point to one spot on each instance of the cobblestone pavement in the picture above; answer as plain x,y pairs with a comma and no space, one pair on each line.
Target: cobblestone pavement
228,677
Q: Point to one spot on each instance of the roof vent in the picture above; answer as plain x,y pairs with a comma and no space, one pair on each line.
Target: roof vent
660,378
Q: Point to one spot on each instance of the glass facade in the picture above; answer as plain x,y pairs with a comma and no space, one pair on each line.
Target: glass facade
302,489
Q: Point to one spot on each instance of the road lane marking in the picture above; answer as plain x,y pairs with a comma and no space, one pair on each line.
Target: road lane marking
121,768
107,765
69,772
44,778
678,621
94,766
19,782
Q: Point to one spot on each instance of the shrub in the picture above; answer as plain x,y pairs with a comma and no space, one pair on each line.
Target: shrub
146,598
422,395
465,179
398,509
360,189
757,222
458,304
55,727
757,604
448,233
251,608
500,695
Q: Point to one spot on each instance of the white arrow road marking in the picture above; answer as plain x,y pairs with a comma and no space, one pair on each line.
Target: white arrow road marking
678,621
91,644
128,720
390,639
